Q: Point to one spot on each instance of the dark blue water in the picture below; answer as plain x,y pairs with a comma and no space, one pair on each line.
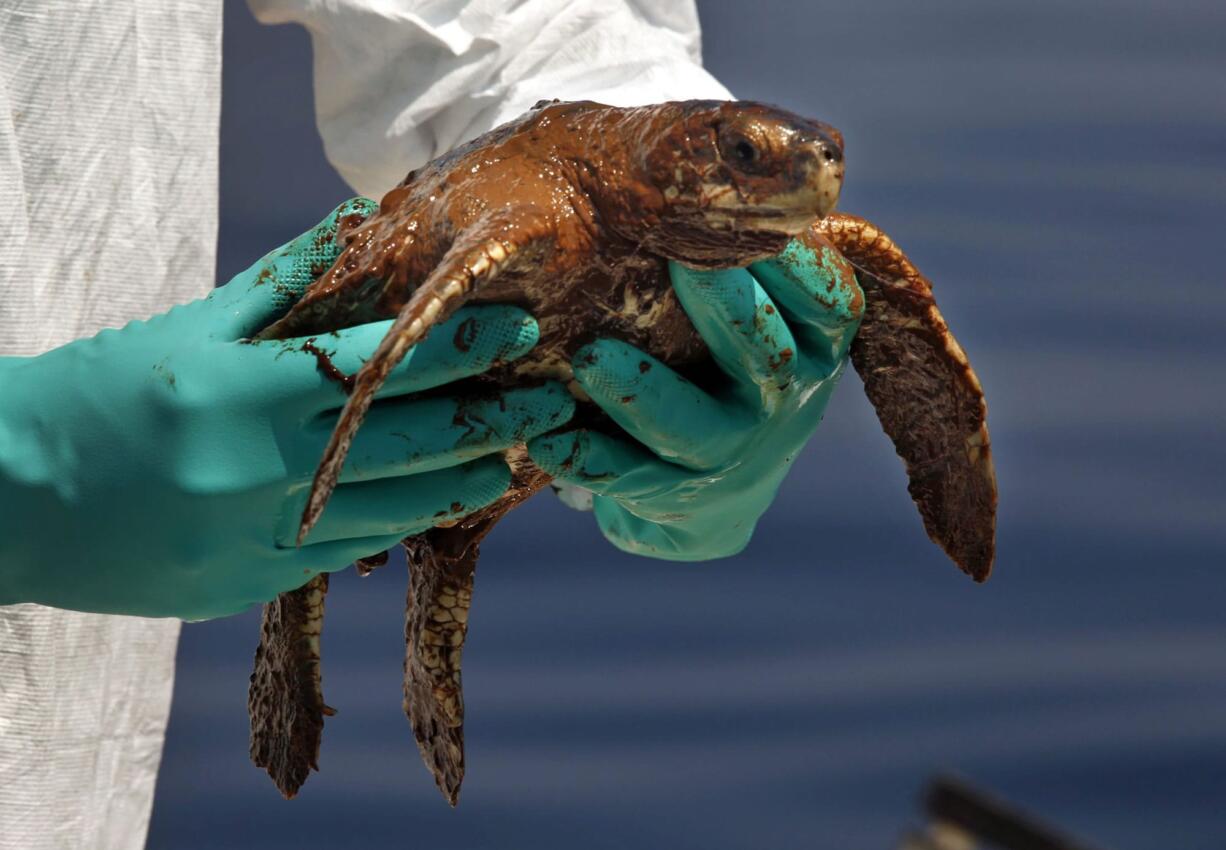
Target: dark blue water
1059,169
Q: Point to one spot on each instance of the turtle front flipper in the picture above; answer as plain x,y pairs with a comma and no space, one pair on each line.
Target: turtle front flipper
285,701
925,392
507,238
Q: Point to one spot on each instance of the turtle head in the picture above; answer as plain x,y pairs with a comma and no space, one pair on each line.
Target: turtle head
772,166
737,180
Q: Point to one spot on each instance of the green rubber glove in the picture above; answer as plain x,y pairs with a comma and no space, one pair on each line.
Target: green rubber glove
160,469
707,464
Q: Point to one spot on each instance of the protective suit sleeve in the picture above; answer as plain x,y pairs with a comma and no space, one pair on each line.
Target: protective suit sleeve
398,82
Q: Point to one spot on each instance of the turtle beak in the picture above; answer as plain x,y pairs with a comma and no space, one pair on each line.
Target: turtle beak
823,165
815,179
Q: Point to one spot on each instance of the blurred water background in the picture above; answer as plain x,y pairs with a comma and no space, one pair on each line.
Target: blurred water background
1059,170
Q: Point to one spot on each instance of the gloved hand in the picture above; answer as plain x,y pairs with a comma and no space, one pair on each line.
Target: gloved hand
160,469
707,465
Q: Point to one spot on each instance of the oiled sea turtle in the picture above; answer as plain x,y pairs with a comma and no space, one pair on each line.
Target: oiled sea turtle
572,211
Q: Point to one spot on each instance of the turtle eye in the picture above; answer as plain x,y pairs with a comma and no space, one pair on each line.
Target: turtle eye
740,152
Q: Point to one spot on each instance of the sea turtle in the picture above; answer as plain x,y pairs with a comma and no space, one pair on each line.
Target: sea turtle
572,211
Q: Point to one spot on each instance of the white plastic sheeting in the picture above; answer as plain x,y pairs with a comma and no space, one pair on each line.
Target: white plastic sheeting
108,212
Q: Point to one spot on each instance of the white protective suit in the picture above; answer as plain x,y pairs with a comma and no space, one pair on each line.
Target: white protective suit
108,212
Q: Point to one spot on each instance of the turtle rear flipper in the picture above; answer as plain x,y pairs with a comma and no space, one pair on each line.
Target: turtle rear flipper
285,701
925,392
436,623
442,563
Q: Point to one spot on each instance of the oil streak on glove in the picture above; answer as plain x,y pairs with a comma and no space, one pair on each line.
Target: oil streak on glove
160,469
707,464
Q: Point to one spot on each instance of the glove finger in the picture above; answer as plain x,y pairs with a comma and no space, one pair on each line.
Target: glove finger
472,341
659,408
294,567
736,318
274,283
404,505
309,561
407,437
606,465
666,540
817,289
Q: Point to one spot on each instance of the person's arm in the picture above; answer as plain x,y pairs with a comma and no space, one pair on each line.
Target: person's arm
159,469
398,82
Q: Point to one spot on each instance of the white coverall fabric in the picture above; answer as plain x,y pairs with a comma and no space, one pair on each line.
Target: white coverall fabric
108,161
108,212
398,82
